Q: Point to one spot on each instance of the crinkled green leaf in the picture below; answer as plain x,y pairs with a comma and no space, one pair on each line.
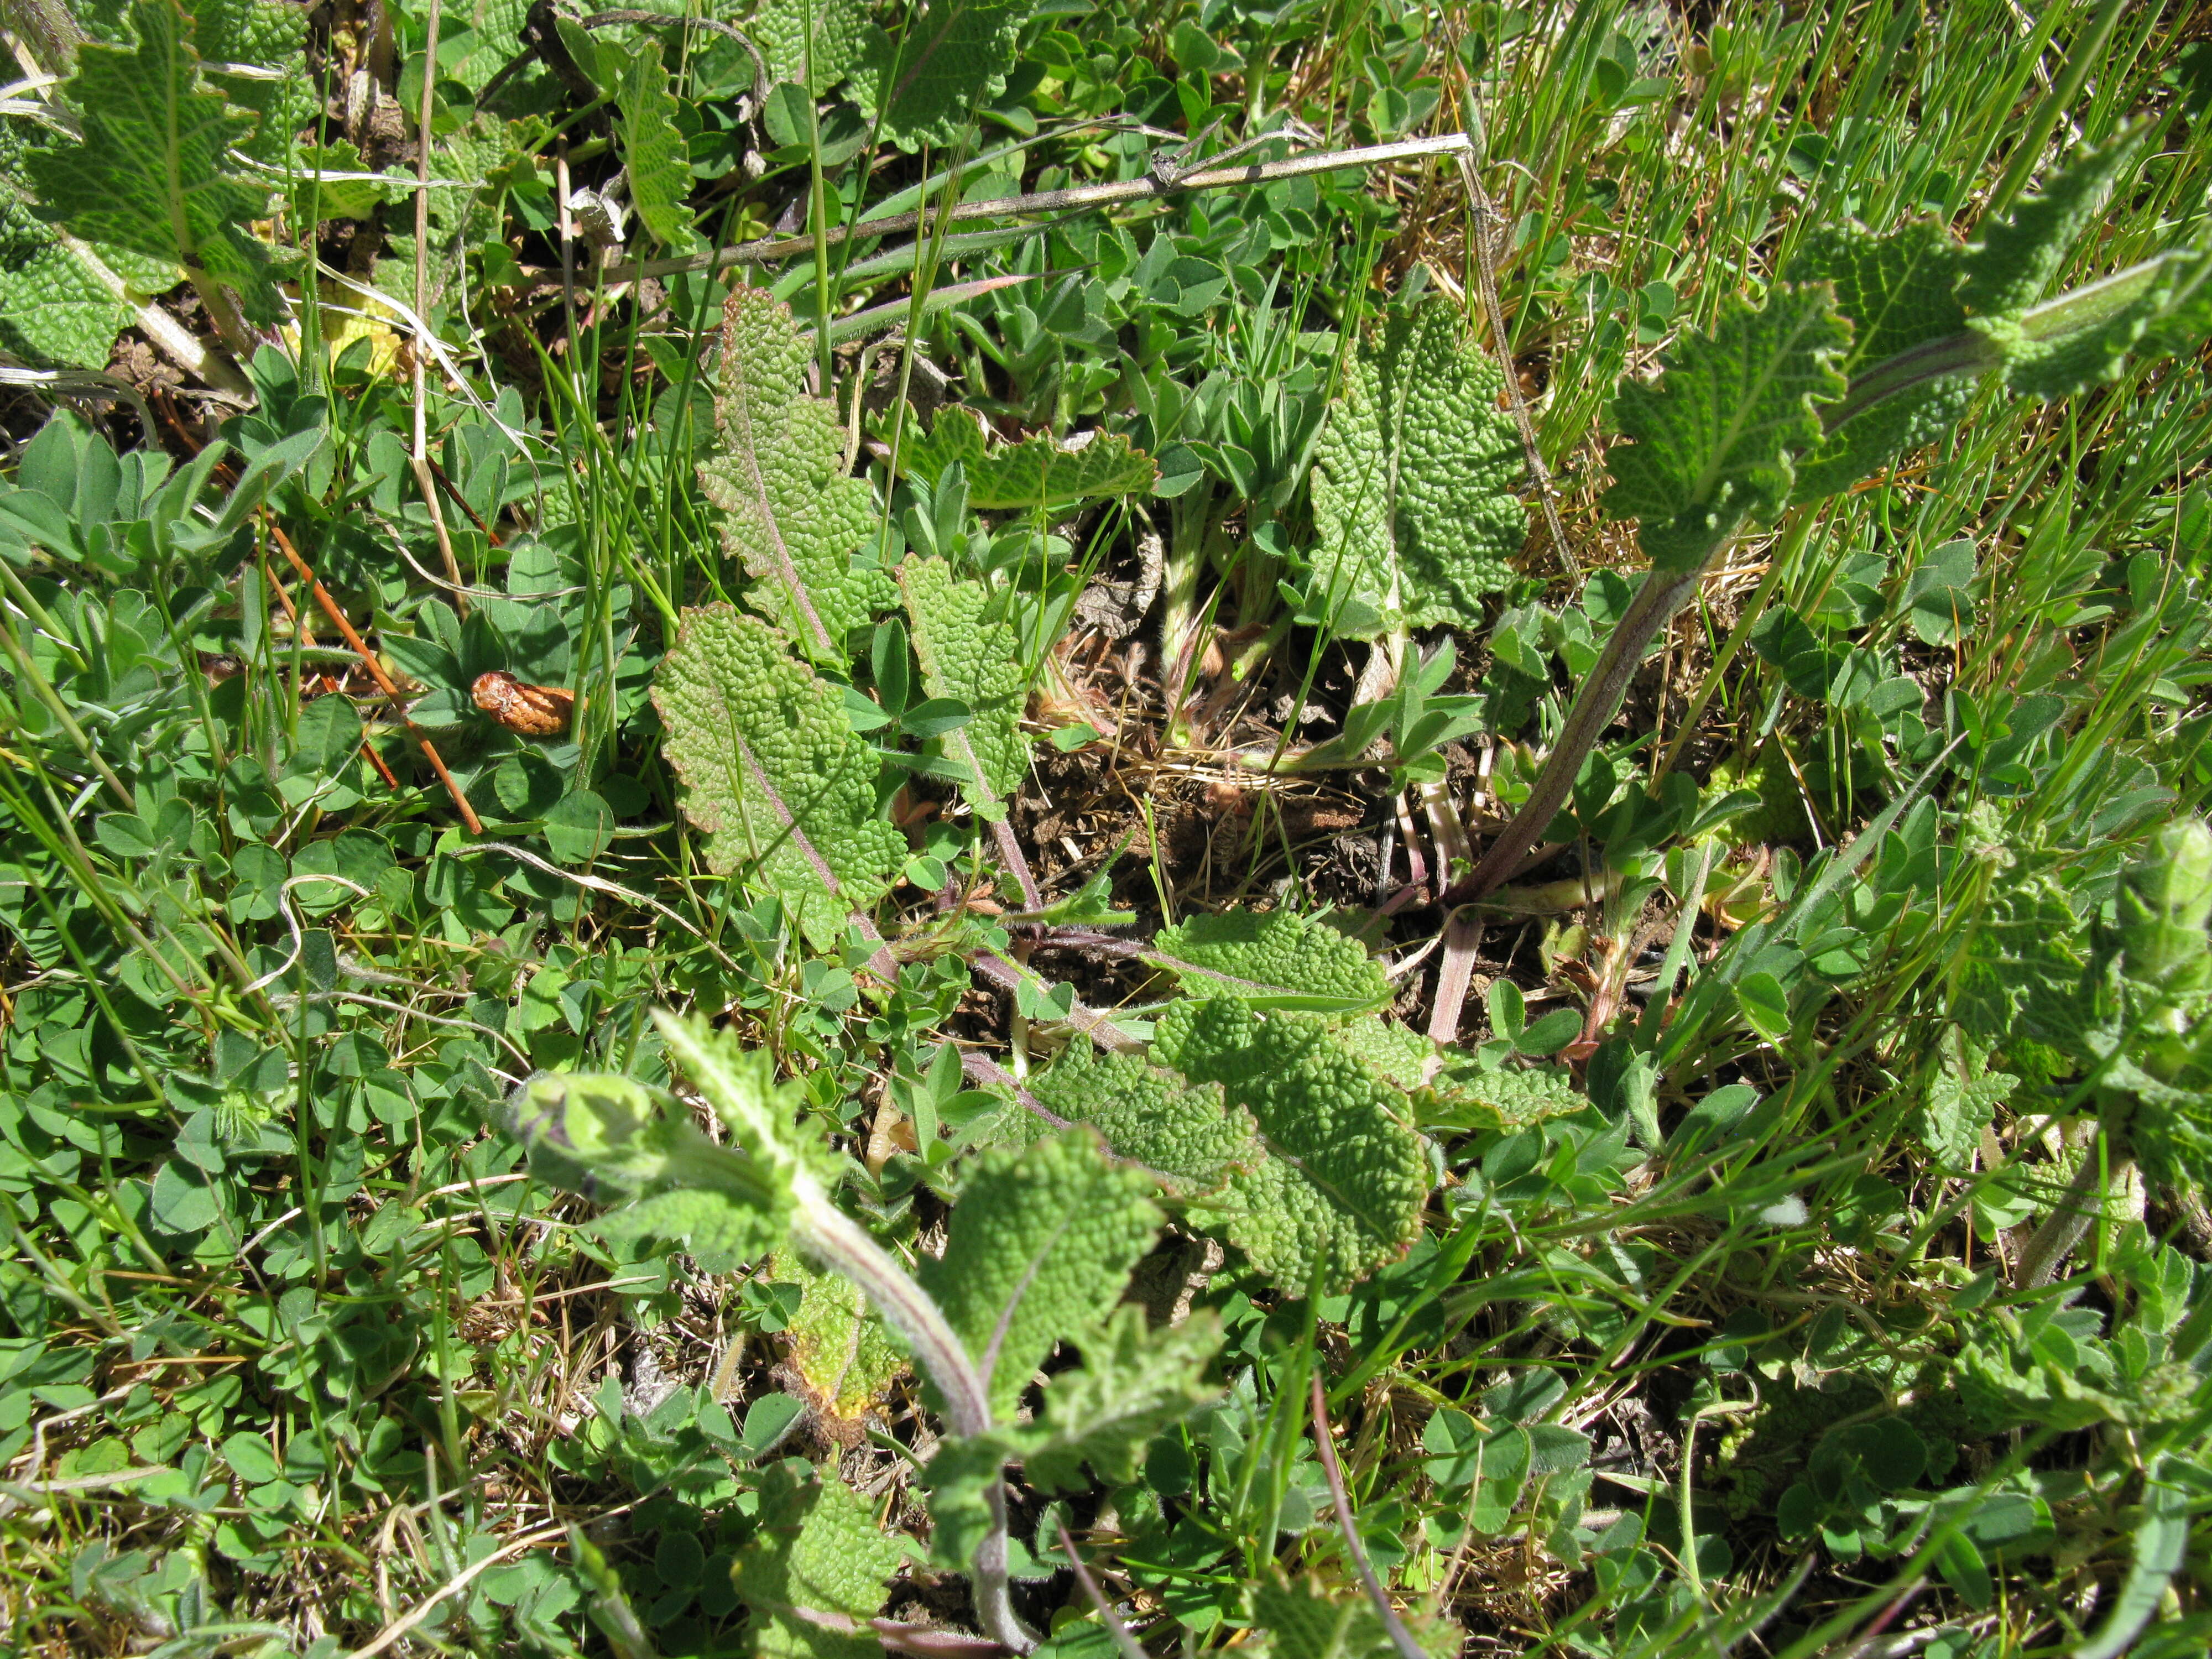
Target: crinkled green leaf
1040,471
794,517
843,1357
1343,1190
774,776
1270,959
817,1561
2011,262
1956,1111
653,151
1897,292
1712,443
1412,518
1183,1135
951,57
495,36
2084,338
1470,1097
2019,988
766,1119
1397,1054
54,308
970,654
705,1220
612,1139
266,35
960,1476
1133,1384
842,30
152,174
1040,1247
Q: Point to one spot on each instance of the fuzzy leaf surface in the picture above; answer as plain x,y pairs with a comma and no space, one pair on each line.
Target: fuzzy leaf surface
817,1551
764,1117
2012,261
2020,987
1956,1111
794,517
1712,443
612,1139
1468,1097
706,1222
841,29
1343,1189
844,1357
960,1476
152,174
1037,471
951,57
263,35
1412,512
970,654
1039,1248
54,308
1183,1135
2084,338
1133,1385
1397,1054
1270,959
598,1135
654,150
774,776
1898,291
495,29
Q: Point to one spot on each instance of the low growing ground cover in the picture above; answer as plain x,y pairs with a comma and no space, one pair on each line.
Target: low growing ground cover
996,826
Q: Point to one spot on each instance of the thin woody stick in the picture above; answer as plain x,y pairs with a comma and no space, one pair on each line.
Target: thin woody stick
307,637
330,608
1400,1638
418,458
1485,272
1154,186
1120,1631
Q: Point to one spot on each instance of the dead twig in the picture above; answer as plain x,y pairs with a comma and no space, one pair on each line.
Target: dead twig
384,680
1485,270
1120,1631
1400,1638
768,249
418,458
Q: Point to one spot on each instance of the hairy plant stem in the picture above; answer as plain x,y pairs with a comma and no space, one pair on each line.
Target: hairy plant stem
835,1241
2082,1202
832,1240
2068,1224
1661,595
